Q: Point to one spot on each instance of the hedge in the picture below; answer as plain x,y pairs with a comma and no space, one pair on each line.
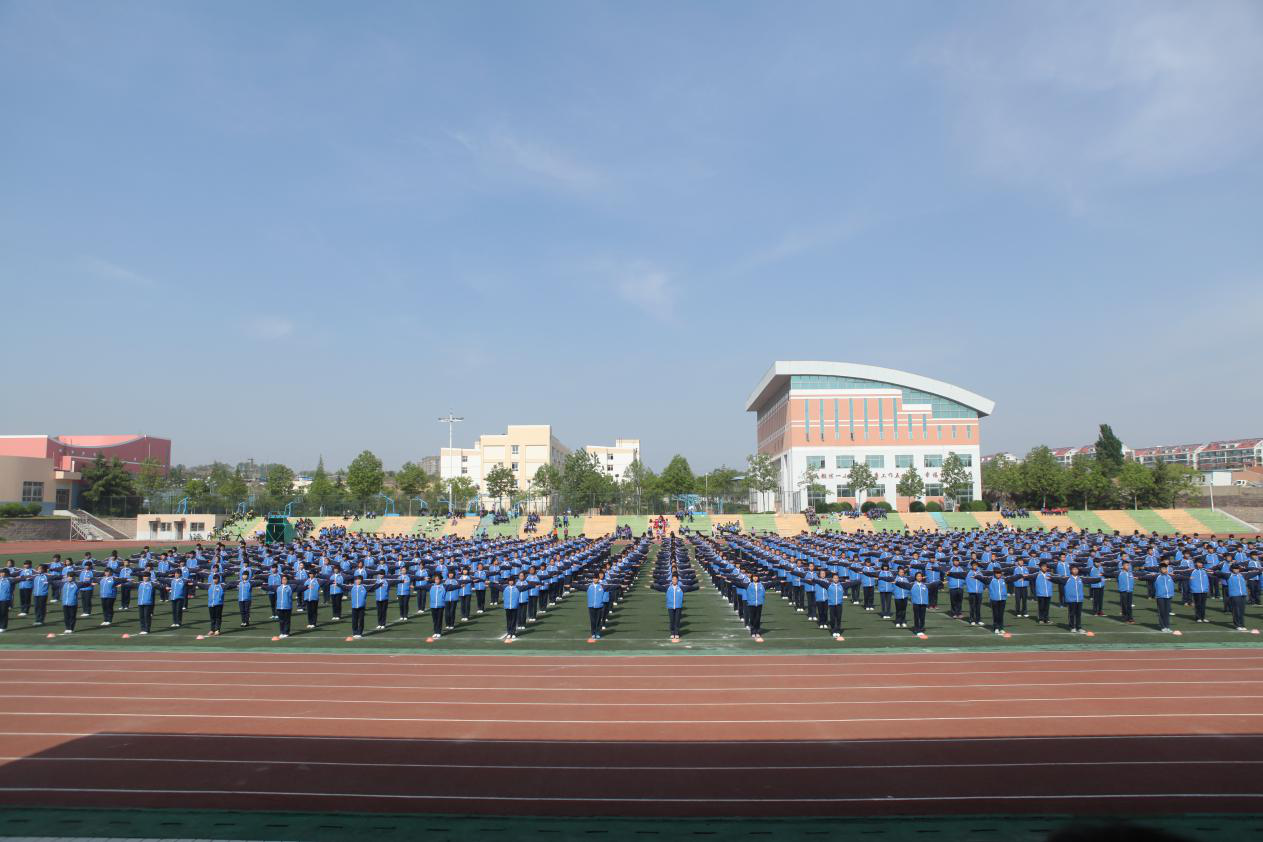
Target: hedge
916,506
934,506
20,509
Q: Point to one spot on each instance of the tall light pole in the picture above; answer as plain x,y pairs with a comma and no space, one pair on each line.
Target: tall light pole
451,421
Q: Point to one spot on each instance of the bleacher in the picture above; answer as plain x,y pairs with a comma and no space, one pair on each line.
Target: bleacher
759,523
594,526
1214,520
1120,520
788,525
1088,520
960,520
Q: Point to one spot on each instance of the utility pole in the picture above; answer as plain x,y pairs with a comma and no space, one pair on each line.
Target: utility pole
451,421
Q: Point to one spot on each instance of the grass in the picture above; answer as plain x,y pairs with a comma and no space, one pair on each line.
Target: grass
638,626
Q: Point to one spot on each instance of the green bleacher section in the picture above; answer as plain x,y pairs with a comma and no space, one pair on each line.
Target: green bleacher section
960,520
576,526
1151,521
505,530
246,528
829,523
1217,521
1024,522
890,523
759,523
1088,520
430,527
639,523
365,524
700,524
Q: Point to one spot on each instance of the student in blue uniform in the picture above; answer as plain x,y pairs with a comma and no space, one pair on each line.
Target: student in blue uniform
510,597
755,595
109,591
145,592
381,593
1163,592
436,601
215,604
675,607
1125,580
403,594
359,602
25,588
39,589
69,602
311,598
6,598
245,595
596,603
835,596
1237,588
284,606
178,594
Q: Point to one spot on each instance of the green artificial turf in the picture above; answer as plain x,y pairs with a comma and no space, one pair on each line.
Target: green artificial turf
636,627
396,827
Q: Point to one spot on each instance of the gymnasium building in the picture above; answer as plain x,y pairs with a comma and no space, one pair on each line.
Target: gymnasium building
832,415
49,469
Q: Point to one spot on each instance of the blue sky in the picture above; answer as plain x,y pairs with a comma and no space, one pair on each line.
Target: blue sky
276,230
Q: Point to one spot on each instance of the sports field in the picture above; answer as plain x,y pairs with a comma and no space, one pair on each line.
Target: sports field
638,626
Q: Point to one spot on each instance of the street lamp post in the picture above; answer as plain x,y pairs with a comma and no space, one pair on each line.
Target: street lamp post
451,421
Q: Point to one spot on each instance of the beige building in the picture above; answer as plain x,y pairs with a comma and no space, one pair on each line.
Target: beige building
33,479
523,449
616,459
176,527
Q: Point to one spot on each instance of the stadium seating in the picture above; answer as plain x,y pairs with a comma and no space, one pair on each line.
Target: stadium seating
594,526
1120,520
1151,521
1055,521
1214,520
463,527
759,523
790,524
918,520
960,520
639,523
401,525
717,521
1088,520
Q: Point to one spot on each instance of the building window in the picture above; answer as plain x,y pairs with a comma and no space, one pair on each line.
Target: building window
844,491
463,469
925,427
933,489
903,460
875,491
969,432
844,461
513,450
938,430
32,492
464,458
875,461
196,526
966,459
514,466
850,408
837,419
933,460
816,462
807,418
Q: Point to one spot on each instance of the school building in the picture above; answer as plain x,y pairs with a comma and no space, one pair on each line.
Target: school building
49,469
524,449
831,415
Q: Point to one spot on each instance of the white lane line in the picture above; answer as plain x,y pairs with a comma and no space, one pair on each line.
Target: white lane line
468,741
467,703
605,721
620,767
884,799
559,688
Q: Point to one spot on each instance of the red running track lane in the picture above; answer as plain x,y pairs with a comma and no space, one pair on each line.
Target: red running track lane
1116,731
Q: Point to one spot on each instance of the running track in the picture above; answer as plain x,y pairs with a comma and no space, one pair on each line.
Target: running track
1137,731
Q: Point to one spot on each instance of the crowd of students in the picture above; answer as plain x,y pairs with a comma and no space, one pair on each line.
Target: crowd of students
982,577
1011,573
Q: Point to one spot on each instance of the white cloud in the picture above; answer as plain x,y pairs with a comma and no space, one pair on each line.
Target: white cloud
649,289
1071,96
514,155
106,271
269,328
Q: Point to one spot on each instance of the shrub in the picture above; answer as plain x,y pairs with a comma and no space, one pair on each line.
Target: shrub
934,506
883,504
20,509
976,506
866,505
845,507
916,506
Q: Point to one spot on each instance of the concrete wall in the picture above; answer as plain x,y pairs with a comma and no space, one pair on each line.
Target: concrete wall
34,529
15,470
193,527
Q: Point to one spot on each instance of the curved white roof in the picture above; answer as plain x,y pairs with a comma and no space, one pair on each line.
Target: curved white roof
778,376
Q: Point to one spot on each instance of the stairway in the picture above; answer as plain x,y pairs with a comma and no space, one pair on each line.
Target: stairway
790,525
1122,521
597,526
90,524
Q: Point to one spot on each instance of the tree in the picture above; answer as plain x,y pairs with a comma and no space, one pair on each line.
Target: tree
280,484
106,480
955,477
763,474
463,490
910,484
1085,480
365,476
1042,475
1136,481
860,478
411,480
677,478
233,488
1001,479
151,479
198,491
584,484
321,493
501,483
1173,483
811,484
1109,452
